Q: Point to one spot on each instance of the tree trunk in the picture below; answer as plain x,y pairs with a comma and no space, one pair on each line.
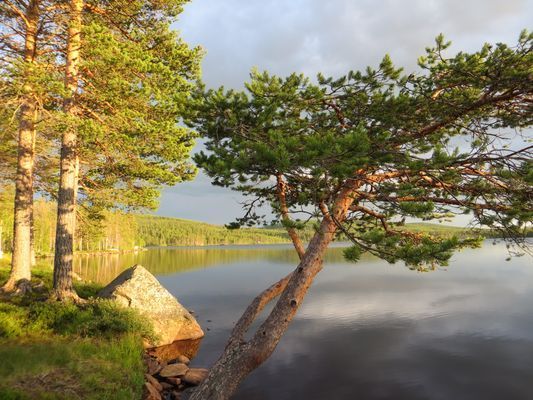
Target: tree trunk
21,262
284,211
68,182
241,357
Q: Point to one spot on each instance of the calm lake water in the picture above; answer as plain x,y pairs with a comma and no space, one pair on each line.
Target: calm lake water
369,330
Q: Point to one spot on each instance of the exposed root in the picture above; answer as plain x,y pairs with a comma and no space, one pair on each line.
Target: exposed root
17,288
67,296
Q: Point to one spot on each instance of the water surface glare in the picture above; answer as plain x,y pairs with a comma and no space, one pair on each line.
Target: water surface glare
369,330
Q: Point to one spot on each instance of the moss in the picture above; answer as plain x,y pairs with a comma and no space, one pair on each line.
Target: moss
52,350
61,368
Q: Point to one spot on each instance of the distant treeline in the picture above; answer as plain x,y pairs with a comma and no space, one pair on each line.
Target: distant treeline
114,231
164,231
119,231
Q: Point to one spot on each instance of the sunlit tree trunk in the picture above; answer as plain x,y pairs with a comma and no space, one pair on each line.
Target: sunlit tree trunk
21,263
284,211
67,195
242,356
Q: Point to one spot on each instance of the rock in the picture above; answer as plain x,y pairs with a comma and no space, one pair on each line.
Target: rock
154,382
175,395
152,366
169,352
194,376
173,380
167,386
139,289
172,370
181,359
150,393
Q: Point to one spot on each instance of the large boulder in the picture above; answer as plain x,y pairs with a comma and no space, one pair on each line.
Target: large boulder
139,289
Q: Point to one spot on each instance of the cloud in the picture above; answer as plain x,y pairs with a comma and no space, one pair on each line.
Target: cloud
332,37
338,35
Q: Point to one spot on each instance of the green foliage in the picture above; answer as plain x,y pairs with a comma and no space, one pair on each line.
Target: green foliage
32,316
136,86
353,253
94,350
121,231
95,319
163,231
135,75
427,145
65,368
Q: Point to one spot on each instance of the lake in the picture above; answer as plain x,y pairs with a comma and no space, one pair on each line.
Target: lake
369,330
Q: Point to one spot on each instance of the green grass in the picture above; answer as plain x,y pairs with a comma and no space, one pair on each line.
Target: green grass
50,350
62,368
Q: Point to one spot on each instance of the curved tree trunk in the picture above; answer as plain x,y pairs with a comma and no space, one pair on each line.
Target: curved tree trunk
21,262
68,182
241,357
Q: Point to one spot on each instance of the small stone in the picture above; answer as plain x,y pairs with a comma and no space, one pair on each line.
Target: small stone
150,392
195,376
181,359
152,366
175,395
173,380
173,370
154,382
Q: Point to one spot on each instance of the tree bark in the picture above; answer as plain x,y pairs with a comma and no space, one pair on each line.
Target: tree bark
241,357
21,262
68,181
284,210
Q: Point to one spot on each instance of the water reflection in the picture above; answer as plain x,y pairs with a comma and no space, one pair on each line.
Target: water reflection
168,352
369,330
104,268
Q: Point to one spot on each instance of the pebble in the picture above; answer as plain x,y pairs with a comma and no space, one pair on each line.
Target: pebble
195,376
154,382
173,370
150,393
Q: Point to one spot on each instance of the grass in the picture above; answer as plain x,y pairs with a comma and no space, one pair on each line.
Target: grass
50,350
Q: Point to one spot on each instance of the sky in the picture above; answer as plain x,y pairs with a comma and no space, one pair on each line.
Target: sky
332,37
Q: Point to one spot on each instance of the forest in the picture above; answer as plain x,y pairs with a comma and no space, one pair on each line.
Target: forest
119,231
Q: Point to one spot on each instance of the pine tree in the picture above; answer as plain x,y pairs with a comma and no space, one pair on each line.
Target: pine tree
18,47
128,79
360,154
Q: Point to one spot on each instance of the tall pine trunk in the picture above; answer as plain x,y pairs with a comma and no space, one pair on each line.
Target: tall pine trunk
68,183
241,357
21,262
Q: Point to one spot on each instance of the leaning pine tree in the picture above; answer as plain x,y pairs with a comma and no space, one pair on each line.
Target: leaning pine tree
361,153
128,77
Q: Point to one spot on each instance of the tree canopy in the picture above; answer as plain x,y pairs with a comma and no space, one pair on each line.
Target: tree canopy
360,154
447,140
